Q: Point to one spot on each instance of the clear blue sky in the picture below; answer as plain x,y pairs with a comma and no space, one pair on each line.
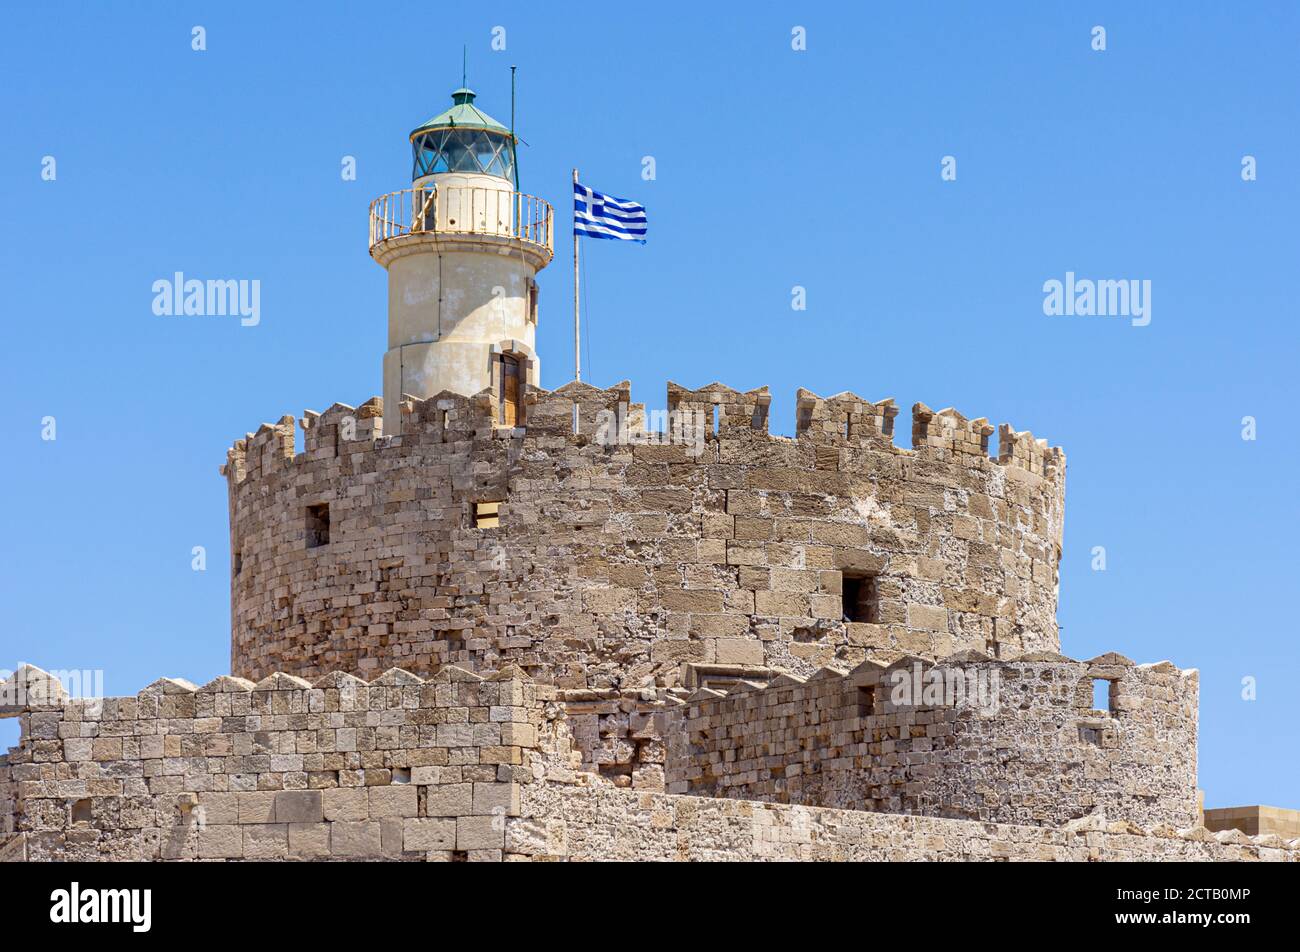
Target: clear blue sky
775,168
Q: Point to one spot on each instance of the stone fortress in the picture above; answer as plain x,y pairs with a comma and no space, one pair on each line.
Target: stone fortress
480,620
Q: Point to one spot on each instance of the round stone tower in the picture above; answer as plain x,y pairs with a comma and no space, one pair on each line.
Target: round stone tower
462,248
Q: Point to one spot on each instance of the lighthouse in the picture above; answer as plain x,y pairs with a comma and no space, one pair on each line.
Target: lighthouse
462,247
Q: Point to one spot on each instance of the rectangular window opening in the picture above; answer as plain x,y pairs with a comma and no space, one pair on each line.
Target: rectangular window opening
860,598
318,525
866,701
1104,694
487,515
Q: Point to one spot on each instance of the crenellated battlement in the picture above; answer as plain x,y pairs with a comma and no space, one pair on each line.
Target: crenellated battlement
948,431
327,434
1033,456
35,691
576,411
598,544
844,419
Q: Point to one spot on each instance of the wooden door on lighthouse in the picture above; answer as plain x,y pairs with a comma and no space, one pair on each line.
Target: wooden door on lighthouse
509,391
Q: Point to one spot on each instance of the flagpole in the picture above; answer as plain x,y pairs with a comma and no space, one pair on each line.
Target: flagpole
577,353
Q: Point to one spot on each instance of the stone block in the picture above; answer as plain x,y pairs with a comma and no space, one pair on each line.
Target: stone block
298,806
496,798
356,839
480,833
309,840
453,799
257,807
266,841
221,842
345,803
399,800
428,834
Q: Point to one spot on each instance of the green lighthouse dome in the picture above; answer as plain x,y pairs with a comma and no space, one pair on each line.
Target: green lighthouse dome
462,139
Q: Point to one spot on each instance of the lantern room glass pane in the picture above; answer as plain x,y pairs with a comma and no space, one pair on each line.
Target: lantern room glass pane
462,150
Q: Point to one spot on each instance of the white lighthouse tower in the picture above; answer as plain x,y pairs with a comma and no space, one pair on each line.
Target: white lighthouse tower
462,248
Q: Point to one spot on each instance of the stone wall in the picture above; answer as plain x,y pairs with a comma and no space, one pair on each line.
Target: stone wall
625,737
617,559
458,767
605,823
396,768
1010,742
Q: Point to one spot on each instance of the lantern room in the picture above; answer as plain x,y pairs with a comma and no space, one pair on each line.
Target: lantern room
462,139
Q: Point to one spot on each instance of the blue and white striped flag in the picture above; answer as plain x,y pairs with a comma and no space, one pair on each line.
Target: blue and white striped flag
604,216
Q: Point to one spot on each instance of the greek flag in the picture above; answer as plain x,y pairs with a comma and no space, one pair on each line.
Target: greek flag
604,216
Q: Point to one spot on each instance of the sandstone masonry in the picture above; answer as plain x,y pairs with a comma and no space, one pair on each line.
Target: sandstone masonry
558,640
1022,744
458,767
614,564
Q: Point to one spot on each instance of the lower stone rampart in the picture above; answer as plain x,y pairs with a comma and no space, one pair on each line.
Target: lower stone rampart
458,767
607,823
999,741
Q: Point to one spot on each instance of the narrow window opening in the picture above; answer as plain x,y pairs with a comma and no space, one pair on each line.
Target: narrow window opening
444,426
846,426
509,408
401,775
1104,692
532,301
860,598
487,515
866,701
318,525
239,562
81,812
575,416
715,419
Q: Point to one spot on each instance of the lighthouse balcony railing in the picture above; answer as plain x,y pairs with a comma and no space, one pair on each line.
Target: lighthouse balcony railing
462,210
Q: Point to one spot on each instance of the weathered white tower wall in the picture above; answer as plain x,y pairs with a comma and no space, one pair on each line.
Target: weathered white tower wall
447,310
